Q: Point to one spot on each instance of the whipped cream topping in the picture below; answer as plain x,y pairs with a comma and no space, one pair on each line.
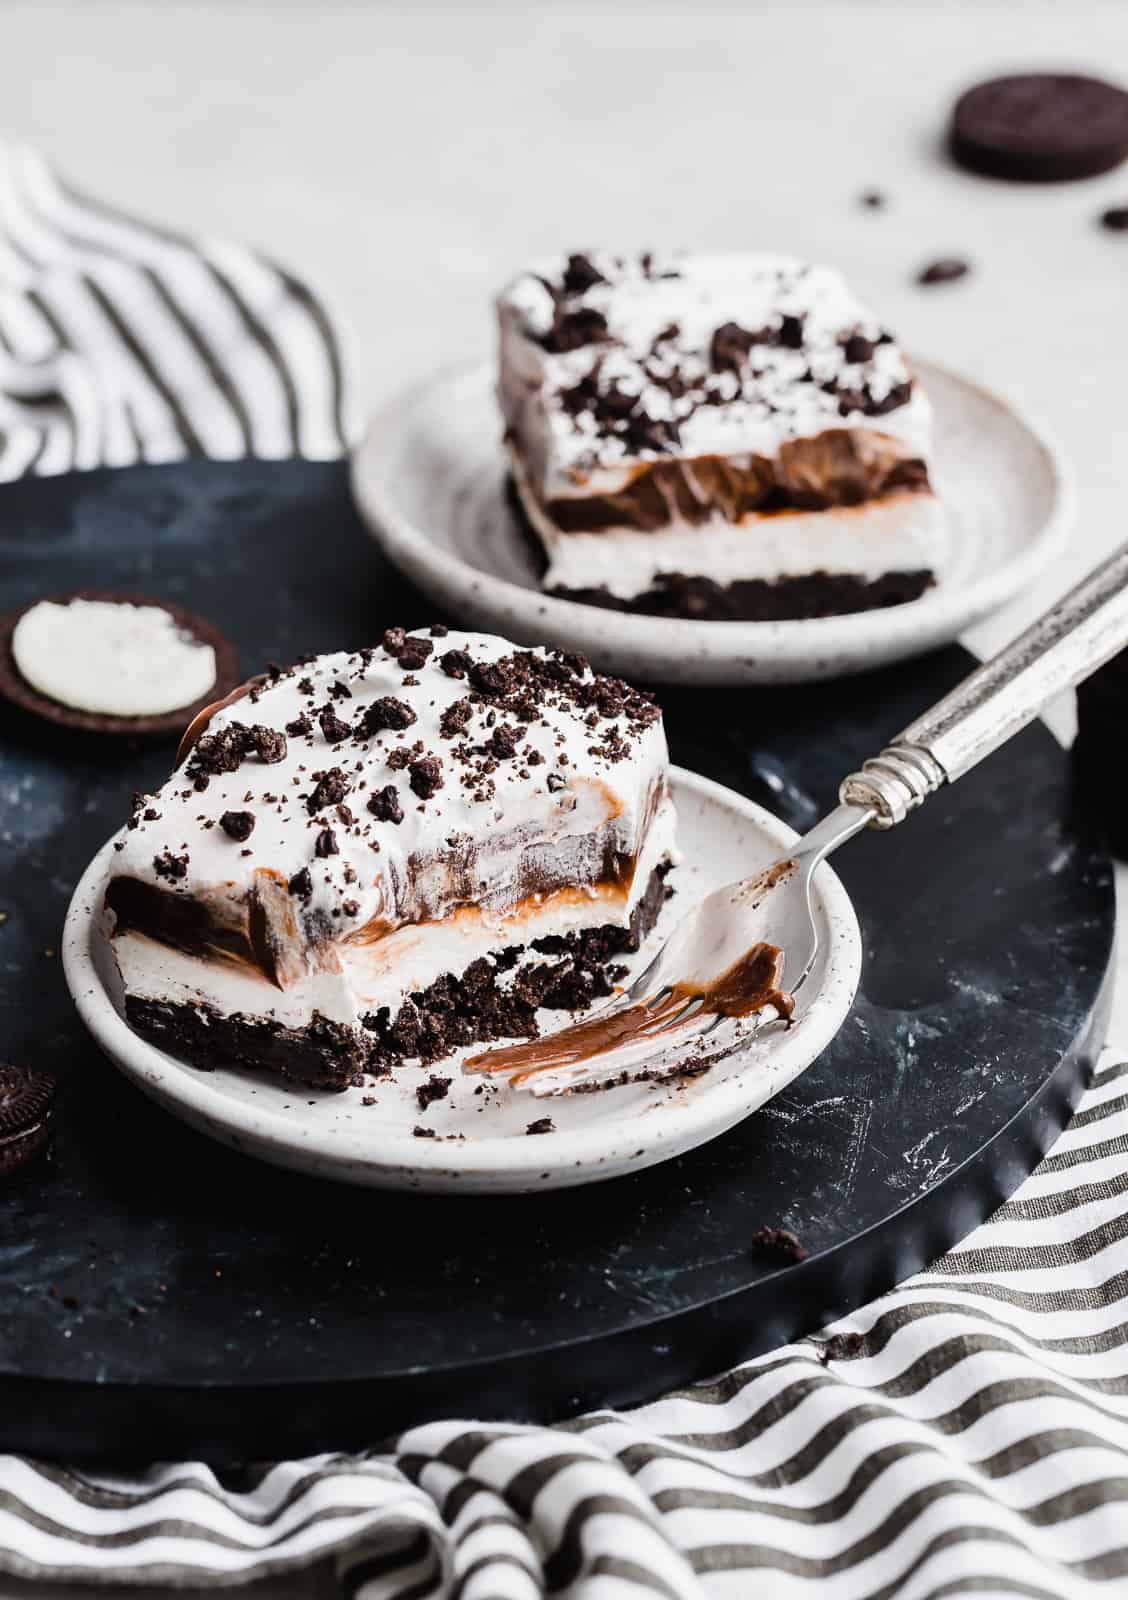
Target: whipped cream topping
608,361
364,821
111,658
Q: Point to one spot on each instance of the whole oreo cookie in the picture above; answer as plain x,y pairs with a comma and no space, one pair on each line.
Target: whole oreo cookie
1040,127
26,1107
69,659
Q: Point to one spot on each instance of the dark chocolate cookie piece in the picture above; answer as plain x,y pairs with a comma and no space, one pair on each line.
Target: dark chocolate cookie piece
15,688
26,1108
1040,127
945,269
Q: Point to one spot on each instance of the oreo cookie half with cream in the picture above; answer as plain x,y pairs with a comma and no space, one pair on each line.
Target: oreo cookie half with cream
26,1108
123,664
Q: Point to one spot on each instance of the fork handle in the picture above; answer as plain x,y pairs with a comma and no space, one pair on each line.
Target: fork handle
1068,642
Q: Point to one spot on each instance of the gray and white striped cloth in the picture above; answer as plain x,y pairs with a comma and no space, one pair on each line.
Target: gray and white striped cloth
970,1439
966,1435
122,342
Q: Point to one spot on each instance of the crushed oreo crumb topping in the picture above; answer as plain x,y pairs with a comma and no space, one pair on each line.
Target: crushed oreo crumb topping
227,749
332,727
573,327
857,348
331,786
385,804
581,274
301,884
387,712
426,774
455,718
269,745
502,742
414,652
237,825
491,677
166,865
455,663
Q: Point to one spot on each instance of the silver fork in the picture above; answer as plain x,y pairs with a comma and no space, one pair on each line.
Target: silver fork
673,1001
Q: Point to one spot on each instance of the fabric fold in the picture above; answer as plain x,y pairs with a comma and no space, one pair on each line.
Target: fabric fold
123,342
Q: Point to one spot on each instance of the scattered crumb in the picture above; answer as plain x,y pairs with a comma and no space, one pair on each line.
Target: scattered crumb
840,1347
778,1242
435,1088
542,1125
946,270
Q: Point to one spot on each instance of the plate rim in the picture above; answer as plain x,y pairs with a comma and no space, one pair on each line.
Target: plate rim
938,616
275,1135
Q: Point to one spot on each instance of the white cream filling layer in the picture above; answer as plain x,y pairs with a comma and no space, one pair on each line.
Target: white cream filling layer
111,658
899,533
382,973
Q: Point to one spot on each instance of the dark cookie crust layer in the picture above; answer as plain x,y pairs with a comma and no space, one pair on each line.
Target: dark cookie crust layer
818,594
323,1055
449,1014
20,693
1040,127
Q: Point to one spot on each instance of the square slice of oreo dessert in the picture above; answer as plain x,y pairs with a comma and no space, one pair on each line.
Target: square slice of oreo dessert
730,436
388,855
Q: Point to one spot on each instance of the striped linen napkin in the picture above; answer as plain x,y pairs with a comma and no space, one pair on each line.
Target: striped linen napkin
122,342
965,1435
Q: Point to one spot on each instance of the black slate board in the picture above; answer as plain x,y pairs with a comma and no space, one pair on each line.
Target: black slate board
162,1296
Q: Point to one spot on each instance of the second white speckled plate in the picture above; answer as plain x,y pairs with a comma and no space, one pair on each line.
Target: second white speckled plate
429,479
481,1144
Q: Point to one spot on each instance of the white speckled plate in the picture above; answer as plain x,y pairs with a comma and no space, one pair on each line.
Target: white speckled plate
429,480
597,1136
